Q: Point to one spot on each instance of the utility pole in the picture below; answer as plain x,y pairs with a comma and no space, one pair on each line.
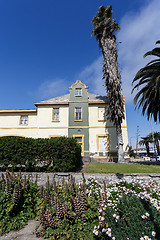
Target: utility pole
137,135
153,139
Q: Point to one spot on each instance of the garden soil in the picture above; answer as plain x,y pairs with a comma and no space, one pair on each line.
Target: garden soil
26,233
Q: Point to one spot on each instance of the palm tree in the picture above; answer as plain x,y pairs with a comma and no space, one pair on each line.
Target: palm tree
104,30
155,138
148,96
131,151
145,141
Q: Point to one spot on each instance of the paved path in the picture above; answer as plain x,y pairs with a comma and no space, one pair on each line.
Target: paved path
26,233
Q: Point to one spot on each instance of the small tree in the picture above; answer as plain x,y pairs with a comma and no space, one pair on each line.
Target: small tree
155,138
145,141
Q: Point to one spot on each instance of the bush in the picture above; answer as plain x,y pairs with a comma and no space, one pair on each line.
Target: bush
56,154
130,211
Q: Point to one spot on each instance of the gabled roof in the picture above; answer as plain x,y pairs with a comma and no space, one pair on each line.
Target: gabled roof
92,98
61,99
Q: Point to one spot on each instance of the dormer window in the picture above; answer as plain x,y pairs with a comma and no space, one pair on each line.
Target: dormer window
78,92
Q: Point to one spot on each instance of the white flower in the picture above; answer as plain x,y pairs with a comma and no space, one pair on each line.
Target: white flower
113,238
101,218
95,232
153,233
146,237
109,234
141,238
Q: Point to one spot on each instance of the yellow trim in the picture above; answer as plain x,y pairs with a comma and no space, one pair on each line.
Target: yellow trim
61,127
103,135
58,114
20,120
75,120
19,111
82,136
12,135
45,104
102,120
78,101
98,102
78,81
53,127
53,136
86,151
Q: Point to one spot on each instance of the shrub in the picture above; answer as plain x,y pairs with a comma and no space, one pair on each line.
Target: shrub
130,211
56,154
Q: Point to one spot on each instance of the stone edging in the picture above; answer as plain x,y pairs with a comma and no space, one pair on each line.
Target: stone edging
41,178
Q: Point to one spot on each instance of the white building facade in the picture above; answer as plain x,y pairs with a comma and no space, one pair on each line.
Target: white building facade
79,114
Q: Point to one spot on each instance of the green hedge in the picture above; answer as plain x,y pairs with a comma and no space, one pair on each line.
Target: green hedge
60,154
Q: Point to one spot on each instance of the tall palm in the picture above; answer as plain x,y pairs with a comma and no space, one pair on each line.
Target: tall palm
104,30
145,141
148,96
155,138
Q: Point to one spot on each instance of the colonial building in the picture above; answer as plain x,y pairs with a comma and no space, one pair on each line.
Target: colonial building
79,114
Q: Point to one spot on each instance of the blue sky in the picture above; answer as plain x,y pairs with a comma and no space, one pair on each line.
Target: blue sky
46,45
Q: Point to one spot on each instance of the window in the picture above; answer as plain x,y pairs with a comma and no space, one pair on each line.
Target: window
55,114
78,114
78,92
24,120
101,114
103,143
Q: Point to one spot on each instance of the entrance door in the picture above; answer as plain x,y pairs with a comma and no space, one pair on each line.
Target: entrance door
80,140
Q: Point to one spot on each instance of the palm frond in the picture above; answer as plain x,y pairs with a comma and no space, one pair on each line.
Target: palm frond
148,79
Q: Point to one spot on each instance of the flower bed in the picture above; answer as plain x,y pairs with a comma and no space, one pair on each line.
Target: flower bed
123,211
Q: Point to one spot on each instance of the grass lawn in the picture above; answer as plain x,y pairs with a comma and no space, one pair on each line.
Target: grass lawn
120,168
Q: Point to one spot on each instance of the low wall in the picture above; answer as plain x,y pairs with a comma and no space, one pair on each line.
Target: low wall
108,178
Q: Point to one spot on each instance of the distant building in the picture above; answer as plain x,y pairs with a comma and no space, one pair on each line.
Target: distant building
143,152
79,114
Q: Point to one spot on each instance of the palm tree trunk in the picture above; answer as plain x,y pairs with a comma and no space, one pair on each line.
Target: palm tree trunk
120,145
147,148
113,86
